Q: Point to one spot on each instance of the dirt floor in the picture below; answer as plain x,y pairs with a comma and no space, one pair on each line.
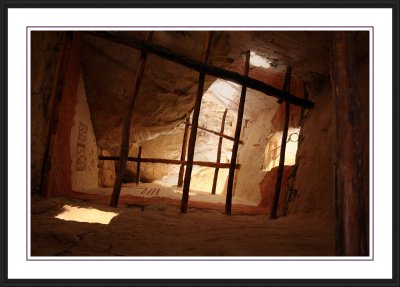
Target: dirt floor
148,225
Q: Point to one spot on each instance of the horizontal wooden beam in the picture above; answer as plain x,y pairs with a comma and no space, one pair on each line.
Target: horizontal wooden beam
171,161
202,67
216,133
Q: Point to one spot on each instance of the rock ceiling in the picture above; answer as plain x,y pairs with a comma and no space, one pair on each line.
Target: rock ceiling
168,90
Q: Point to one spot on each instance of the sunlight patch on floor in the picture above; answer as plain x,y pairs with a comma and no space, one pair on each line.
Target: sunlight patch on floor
89,215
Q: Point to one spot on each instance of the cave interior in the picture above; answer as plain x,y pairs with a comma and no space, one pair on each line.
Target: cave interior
199,143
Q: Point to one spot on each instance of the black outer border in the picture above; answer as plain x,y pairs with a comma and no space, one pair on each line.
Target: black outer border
6,4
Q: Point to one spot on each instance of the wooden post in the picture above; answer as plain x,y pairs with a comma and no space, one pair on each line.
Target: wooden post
228,202
351,234
202,67
57,93
183,152
193,131
127,127
138,165
214,186
278,183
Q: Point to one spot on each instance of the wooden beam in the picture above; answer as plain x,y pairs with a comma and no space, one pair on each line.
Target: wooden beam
138,165
216,133
202,67
228,202
351,228
127,126
279,176
183,151
193,131
214,186
171,161
56,96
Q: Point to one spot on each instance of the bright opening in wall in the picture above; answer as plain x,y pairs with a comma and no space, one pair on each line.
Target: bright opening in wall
258,61
273,149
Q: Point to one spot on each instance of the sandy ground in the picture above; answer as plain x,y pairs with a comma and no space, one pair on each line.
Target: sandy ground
149,225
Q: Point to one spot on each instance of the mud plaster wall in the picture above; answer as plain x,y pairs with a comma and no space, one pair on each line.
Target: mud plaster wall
250,157
46,55
83,148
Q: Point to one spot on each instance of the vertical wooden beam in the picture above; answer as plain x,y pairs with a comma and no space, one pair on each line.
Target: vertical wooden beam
228,202
127,126
183,151
138,165
215,180
278,183
56,96
193,131
351,235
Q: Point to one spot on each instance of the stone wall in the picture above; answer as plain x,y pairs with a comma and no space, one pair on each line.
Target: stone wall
250,156
314,180
74,161
83,144
60,175
46,56
267,188
314,177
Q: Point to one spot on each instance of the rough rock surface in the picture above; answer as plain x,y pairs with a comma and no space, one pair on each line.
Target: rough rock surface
267,188
167,97
46,50
159,230
167,93
106,171
251,154
314,177
60,172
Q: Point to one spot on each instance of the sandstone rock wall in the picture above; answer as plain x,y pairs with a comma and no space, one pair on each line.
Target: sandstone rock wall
314,180
46,55
74,164
314,177
106,170
267,188
83,148
60,176
250,156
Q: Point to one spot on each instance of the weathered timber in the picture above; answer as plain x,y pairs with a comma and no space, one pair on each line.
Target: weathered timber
351,228
193,131
228,202
56,96
216,133
171,161
279,175
203,67
214,186
183,152
127,126
138,165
